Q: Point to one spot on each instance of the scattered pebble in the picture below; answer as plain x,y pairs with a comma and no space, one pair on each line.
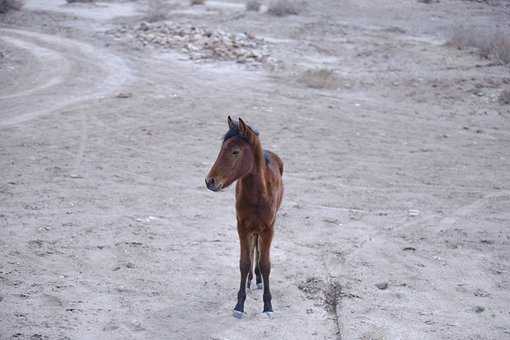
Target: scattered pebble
147,219
137,325
479,309
382,285
481,293
130,265
413,212
124,95
110,327
409,249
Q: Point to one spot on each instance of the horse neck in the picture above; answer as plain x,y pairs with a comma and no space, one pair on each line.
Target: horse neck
254,183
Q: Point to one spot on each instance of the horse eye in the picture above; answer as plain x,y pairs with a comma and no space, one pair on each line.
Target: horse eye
235,152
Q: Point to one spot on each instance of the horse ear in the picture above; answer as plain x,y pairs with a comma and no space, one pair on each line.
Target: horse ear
231,123
243,128
247,131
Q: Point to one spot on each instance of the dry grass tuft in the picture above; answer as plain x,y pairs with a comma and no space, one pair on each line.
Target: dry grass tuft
7,5
253,5
281,8
157,11
504,97
197,2
321,78
489,44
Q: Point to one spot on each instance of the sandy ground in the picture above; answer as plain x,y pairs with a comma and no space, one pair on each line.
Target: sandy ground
395,223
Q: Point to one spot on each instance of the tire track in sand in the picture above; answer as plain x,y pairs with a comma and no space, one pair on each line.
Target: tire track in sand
71,72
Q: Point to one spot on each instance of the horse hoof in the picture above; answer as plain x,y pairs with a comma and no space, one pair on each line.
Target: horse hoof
238,315
269,314
260,286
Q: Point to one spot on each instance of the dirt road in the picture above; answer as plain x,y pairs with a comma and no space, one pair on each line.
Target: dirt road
397,207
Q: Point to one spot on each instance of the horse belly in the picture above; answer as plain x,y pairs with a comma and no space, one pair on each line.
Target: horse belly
255,219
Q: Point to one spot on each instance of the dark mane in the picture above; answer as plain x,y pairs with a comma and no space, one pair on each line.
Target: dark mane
234,132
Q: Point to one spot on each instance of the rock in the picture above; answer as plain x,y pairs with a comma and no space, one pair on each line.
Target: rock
144,26
136,326
481,293
110,327
197,42
479,309
130,265
124,95
382,285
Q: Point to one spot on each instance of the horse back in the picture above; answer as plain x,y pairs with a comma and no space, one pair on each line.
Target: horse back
274,162
275,168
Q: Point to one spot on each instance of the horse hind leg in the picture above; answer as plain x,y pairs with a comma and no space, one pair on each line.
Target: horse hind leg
265,268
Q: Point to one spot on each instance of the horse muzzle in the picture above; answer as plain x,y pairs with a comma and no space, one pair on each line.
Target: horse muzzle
212,184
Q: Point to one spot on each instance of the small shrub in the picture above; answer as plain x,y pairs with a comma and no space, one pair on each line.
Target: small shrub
253,5
504,97
155,17
7,5
157,11
281,8
501,48
197,2
322,78
489,44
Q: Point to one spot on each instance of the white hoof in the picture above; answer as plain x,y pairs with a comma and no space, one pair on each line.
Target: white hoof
260,286
269,314
238,315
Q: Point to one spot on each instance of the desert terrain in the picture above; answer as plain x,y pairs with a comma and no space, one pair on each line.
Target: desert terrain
396,216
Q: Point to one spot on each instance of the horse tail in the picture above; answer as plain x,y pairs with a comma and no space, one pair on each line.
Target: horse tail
279,162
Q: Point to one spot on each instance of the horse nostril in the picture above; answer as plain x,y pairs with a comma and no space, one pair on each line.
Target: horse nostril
209,181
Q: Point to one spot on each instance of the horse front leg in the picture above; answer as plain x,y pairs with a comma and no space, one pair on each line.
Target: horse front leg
253,258
265,268
258,274
244,267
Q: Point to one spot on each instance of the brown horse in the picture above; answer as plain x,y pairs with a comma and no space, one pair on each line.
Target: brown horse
259,192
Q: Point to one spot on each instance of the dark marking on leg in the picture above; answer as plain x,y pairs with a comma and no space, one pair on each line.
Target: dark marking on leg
244,267
265,267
